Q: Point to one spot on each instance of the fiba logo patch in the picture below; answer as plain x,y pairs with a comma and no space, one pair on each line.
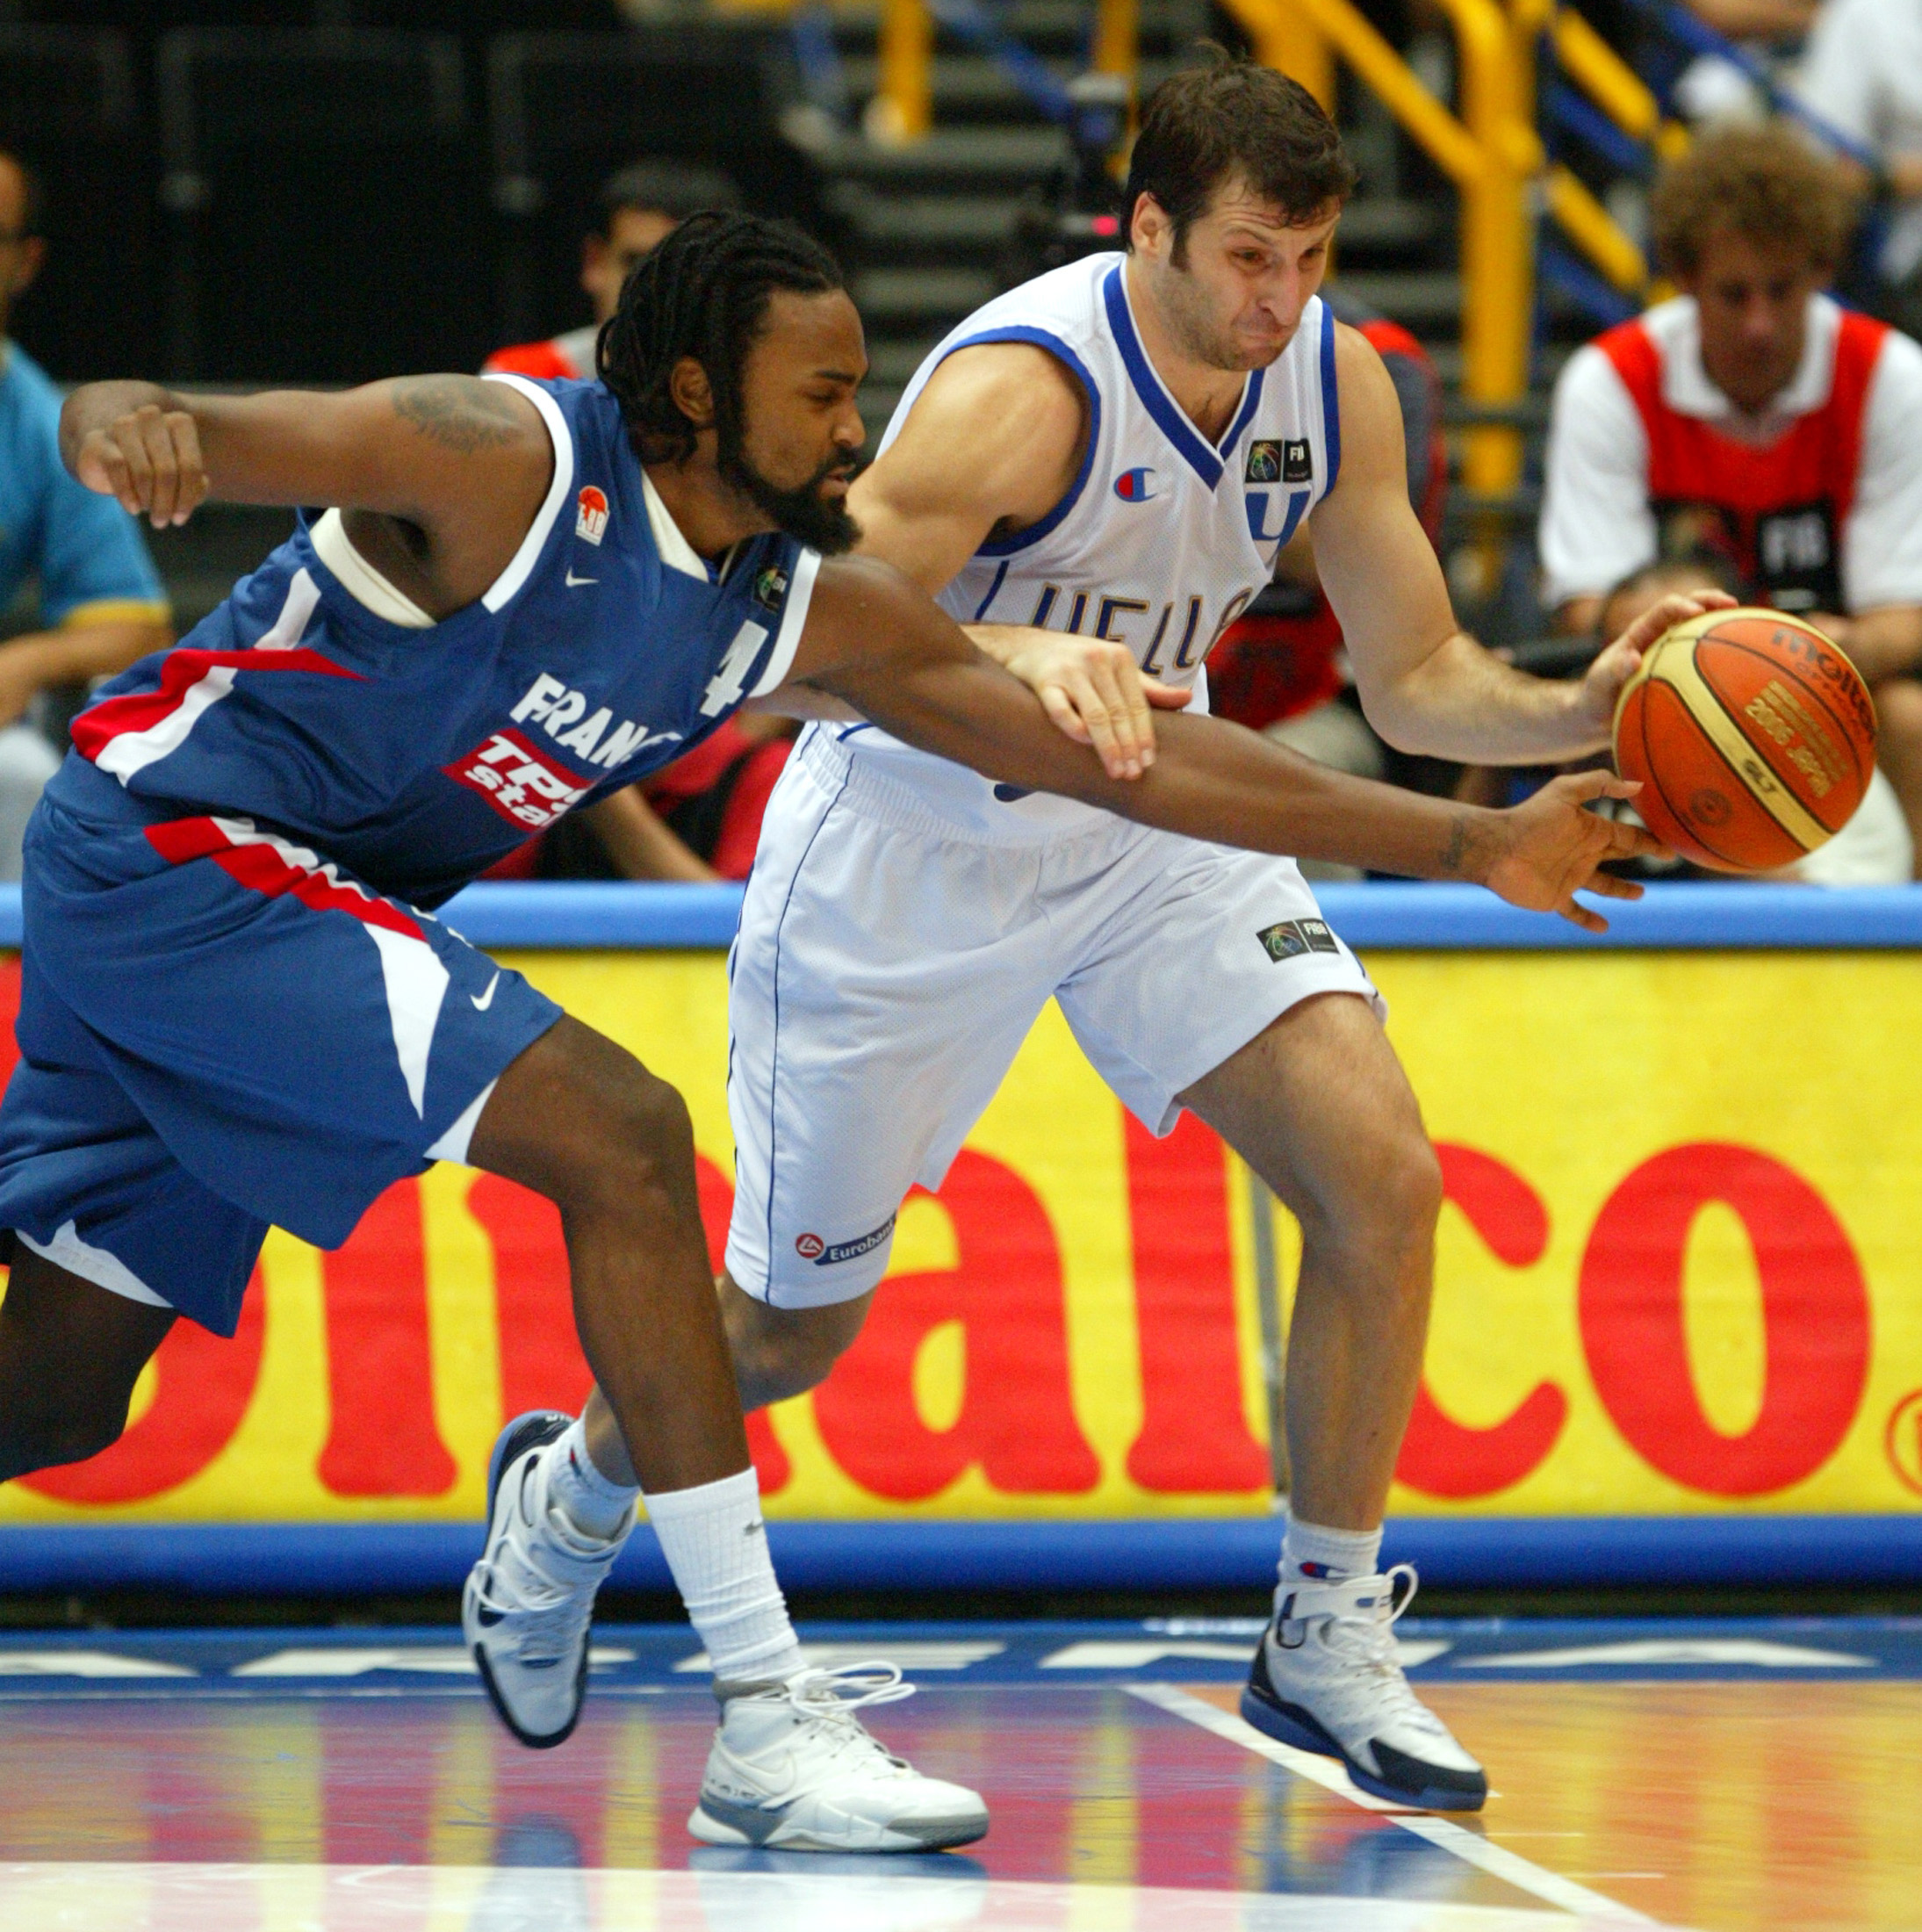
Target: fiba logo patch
1133,486
591,522
1270,461
1292,938
809,1247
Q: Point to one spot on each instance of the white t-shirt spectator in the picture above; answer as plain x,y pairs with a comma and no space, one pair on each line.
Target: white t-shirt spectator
1598,524
1864,73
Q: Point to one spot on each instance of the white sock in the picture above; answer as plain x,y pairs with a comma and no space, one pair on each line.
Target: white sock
597,1506
715,1544
1312,1553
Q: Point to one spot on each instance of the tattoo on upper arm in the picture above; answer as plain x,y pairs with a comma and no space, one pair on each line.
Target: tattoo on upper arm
459,412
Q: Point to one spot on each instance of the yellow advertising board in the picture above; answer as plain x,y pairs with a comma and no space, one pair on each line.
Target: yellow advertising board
1680,1271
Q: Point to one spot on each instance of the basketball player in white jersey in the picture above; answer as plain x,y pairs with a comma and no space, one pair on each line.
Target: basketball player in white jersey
1119,450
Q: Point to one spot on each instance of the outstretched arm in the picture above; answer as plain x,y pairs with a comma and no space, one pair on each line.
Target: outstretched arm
993,442
1426,686
873,641
448,472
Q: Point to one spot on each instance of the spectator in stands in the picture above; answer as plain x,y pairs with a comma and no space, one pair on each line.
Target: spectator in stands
1753,417
100,602
1710,88
1280,668
637,209
1864,76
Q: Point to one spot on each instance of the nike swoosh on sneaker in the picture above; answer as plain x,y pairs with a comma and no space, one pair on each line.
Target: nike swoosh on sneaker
573,582
767,1790
482,1001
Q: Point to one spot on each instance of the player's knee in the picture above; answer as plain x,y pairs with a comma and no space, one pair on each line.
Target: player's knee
633,1138
1388,1199
780,1353
774,1364
1415,1185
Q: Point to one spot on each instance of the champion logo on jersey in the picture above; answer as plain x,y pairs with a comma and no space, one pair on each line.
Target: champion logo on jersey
1132,486
591,522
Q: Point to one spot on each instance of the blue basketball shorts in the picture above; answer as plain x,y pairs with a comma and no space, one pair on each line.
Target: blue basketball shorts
221,1031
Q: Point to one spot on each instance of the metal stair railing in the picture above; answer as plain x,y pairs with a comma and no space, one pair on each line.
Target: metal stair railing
1490,153
1620,119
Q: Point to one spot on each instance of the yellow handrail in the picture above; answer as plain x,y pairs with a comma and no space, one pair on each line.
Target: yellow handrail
904,109
1613,85
1489,154
1594,231
1274,28
1117,37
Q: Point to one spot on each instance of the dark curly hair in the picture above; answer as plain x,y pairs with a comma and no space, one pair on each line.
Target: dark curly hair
704,293
1768,185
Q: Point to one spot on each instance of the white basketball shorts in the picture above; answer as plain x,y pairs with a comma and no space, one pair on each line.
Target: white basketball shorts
889,967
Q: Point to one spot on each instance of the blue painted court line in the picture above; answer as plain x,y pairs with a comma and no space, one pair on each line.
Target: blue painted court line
642,1659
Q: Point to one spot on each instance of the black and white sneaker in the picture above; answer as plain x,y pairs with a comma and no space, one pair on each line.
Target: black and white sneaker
1326,1679
529,1604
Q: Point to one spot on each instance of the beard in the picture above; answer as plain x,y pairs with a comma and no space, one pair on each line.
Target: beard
802,513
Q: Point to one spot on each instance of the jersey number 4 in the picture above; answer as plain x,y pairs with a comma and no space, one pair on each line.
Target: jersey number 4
727,686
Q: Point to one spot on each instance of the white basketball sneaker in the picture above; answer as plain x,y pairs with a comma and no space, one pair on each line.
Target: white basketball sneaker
529,1603
1326,1679
792,1768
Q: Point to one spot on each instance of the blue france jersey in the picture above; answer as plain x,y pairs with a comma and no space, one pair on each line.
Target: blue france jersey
417,757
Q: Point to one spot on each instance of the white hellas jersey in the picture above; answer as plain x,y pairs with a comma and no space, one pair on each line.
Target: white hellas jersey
1161,539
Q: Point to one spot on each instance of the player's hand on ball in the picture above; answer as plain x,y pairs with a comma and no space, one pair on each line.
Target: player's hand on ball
1095,693
1552,846
1602,684
149,460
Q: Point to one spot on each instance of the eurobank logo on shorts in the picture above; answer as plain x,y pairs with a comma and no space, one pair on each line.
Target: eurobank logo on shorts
1661,1288
825,1254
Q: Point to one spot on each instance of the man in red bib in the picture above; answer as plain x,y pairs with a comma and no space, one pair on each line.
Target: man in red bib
1754,418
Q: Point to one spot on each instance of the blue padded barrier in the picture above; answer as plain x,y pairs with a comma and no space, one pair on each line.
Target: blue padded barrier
1491,1552
1482,1553
1420,918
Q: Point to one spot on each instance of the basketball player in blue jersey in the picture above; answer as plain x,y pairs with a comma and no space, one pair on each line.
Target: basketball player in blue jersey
1119,449
238,1008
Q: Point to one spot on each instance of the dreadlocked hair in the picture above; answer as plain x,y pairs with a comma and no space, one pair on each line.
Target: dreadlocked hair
703,294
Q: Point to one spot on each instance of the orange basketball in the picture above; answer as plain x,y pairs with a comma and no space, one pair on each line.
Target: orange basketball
1753,737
